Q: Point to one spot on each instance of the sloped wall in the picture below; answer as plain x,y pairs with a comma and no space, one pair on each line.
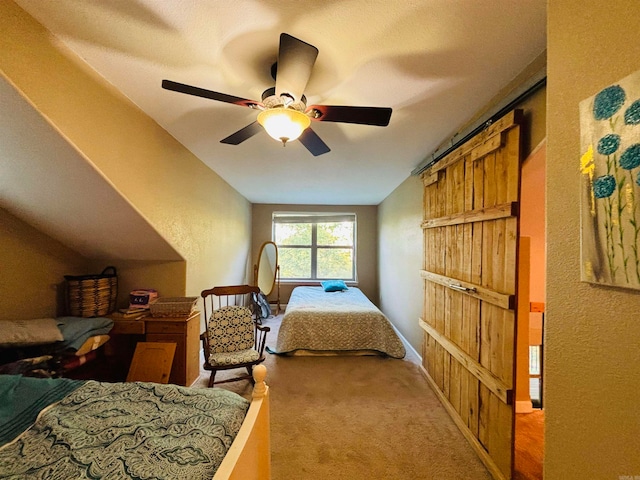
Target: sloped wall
198,214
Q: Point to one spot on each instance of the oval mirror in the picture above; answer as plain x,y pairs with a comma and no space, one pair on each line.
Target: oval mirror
267,267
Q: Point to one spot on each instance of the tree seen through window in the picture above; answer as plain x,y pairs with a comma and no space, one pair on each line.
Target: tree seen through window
315,247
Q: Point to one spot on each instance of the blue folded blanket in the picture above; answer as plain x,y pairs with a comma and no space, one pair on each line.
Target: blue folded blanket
22,398
76,330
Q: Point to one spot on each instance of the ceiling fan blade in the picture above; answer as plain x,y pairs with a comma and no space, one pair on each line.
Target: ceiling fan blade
295,61
379,116
242,134
313,142
201,92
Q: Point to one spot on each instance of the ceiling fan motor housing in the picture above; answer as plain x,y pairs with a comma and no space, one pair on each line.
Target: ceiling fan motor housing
271,100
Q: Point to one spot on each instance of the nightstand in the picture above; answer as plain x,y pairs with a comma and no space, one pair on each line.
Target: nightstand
183,331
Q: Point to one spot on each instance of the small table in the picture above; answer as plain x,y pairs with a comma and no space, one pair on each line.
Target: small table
183,331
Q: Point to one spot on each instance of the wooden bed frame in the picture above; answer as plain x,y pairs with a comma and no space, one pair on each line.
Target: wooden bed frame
249,457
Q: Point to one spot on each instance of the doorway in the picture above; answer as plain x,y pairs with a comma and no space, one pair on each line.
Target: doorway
529,424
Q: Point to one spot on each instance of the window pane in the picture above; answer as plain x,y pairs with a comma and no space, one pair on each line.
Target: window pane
335,233
335,263
293,233
294,262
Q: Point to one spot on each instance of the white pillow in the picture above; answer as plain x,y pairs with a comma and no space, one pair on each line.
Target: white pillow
20,333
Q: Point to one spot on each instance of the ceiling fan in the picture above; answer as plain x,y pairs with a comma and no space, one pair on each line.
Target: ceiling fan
283,110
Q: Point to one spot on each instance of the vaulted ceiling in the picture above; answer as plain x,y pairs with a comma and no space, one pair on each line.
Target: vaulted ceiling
434,62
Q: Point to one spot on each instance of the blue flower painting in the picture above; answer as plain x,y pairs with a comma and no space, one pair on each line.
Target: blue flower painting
630,159
608,102
610,172
632,114
608,144
604,186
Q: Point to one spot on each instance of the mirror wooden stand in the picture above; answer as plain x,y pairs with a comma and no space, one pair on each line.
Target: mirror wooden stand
266,272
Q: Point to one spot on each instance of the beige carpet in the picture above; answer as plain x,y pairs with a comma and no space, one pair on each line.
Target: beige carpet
356,418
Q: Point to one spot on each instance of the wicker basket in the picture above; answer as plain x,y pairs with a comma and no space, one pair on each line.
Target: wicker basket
92,295
173,306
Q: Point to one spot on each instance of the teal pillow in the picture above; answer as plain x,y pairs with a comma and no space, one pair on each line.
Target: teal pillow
333,285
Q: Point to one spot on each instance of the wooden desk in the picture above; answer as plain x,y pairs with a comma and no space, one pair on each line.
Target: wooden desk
184,332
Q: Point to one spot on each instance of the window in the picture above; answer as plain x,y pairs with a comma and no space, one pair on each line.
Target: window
315,246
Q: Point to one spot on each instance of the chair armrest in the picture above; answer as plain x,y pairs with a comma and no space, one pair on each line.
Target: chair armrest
205,344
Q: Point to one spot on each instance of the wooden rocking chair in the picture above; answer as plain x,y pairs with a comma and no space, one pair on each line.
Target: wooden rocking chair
233,338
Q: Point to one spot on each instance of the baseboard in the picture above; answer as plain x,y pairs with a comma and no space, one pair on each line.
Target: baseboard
274,307
524,406
407,345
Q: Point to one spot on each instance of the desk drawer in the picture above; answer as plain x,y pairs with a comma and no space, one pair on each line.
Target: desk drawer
166,327
128,327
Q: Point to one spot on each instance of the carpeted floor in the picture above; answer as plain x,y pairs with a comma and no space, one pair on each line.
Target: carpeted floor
374,418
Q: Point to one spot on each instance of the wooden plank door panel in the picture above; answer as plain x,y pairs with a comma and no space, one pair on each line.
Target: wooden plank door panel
470,230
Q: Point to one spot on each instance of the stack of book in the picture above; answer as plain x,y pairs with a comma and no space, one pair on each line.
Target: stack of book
132,313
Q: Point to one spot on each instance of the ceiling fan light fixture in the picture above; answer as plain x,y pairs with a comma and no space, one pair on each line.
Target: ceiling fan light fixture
284,124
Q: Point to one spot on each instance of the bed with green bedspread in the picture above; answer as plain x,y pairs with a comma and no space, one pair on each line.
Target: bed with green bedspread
115,430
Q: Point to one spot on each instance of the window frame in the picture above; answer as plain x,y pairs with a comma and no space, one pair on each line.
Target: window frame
314,218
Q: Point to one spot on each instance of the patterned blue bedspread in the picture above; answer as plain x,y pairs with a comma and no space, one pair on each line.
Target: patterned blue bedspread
128,430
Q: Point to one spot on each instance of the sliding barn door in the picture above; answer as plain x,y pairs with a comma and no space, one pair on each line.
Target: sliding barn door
470,257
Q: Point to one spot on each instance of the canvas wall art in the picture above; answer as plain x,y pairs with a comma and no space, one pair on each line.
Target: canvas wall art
610,168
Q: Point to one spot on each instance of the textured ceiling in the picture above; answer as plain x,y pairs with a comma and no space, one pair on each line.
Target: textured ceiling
435,62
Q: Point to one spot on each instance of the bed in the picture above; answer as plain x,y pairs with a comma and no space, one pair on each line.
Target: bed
50,347
88,429
344,321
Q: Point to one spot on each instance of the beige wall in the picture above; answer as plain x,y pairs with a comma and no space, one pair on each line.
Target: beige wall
400,259
33,269
195,211
366,246
34,266
592,333
534,107
168,278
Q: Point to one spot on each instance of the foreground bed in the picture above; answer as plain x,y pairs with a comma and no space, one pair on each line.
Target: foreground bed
342,321
132,430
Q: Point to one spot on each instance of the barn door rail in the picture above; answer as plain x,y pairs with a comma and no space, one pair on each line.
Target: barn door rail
500,299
